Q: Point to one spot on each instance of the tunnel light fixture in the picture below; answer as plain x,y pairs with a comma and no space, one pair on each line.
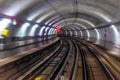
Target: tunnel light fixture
50,31
98,35
22,31
33,29
42,30
116,33
46,29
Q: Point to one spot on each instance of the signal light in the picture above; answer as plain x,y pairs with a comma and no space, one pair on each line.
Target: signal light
57,28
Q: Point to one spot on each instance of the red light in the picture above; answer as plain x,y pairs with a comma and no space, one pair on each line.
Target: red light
57,28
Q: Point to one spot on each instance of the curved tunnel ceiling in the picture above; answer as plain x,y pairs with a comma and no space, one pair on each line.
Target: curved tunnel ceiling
40,8
88,13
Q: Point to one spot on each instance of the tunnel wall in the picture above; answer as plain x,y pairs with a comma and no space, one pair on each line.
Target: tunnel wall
13,42
22,33
109,37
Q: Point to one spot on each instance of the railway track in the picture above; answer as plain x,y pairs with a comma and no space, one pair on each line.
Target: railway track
48,64
12,70
58,65
92,65
110,62
69,69
70,59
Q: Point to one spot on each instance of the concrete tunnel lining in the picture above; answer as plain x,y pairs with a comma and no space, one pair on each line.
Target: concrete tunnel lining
55,11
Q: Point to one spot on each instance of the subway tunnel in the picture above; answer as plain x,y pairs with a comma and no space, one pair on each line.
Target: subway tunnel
59,39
